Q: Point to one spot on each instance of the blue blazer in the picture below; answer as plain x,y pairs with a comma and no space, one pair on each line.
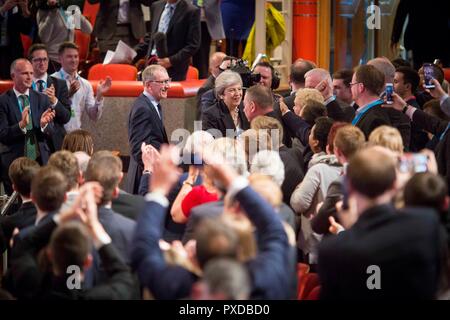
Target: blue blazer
269,271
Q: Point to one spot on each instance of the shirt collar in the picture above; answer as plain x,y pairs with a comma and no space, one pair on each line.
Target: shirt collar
173,5
27,93
151,98
65,75
362,107
43,77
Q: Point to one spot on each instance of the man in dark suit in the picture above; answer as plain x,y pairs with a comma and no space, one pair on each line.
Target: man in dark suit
384,254
119,20
269,269
55,89
297,79
21,172
179,20
14,20
25,121
367,84
211,28
145,121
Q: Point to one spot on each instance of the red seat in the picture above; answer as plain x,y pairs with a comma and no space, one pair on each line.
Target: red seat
123,72
90,11
192,73
447,74
302,271
82,40
307,284
26,42
314,294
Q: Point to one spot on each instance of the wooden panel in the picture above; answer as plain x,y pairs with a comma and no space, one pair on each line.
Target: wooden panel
324,31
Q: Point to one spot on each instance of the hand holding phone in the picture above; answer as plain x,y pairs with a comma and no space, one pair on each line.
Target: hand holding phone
389,91
428,73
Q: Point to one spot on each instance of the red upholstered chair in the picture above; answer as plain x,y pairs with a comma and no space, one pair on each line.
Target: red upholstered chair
123,72
307,284
192,73
82,40
302,271
447,74
26,42
90,11
314,294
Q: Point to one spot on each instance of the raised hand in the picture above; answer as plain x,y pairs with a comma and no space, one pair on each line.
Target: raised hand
325,89
166,172
149,156
74,87
103,87
47,117
25,118
51,94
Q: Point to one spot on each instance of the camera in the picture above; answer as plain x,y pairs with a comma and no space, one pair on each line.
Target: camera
248,77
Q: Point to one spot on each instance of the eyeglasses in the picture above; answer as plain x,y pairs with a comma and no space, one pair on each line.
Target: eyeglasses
39,60
164,82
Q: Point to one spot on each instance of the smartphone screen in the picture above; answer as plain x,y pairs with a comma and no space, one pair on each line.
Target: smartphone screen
389,92
428,73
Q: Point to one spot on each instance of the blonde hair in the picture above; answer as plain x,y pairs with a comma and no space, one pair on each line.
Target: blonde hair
388,137
303,95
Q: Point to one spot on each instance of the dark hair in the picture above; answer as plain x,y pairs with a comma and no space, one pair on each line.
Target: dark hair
313,110
36,47
78,140
321,131
106,169
67,45
67,163
410,76
215,239
70,244
332,134
371,172
275,77
426,190
371,78
261,96
48,189
345,75
433,107
21,172
298,70
399,62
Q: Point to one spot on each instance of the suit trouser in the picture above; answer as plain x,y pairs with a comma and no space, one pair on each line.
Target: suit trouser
201,58
123,32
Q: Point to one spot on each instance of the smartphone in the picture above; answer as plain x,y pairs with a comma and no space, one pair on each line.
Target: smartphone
389,92
413,163
428,73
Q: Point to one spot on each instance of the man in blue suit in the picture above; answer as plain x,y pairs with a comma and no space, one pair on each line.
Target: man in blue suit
25,121
145,121
269,271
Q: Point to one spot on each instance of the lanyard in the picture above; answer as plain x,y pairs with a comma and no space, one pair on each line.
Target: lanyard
441,137
365,109
21,106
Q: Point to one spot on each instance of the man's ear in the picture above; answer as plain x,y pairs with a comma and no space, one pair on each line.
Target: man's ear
116,192
80,179
33,199
14,187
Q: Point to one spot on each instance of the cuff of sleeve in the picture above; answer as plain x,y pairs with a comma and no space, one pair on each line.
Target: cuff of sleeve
237,185
443,98
56,219
102,240
410,112
54,105
158,198
44,127
24,130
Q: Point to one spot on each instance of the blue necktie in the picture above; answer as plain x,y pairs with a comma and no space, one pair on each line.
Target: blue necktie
165,19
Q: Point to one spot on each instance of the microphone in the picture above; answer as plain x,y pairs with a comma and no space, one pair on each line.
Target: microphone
160,40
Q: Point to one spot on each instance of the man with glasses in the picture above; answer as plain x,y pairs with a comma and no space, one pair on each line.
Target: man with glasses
145,121
54,88
367,85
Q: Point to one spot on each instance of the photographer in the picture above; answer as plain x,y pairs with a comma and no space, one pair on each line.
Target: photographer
57,26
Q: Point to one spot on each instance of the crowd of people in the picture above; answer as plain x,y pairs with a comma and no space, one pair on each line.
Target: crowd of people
340,175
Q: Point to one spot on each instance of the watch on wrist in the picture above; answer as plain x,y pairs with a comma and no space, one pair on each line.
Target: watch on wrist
405,108
188,183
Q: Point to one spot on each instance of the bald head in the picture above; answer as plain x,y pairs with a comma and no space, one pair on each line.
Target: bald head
22,74
298,70
214,62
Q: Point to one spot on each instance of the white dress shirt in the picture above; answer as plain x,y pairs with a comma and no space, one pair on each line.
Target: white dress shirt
82,101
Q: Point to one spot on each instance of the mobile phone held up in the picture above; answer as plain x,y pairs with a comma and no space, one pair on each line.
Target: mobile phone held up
389,91
428,74
413,163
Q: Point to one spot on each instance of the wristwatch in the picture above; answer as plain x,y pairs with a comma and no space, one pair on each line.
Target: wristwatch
405,108
188,182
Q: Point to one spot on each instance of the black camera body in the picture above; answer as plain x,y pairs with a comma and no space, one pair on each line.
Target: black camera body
248,77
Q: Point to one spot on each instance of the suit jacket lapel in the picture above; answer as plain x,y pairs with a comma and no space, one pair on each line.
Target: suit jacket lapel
179,10
15,105
226,116
34,107
155,114
158,12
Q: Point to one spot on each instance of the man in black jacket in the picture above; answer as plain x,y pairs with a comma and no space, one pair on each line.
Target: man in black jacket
383,254
55,89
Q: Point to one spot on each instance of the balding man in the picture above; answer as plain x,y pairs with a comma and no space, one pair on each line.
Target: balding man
320,79
297,79
25,121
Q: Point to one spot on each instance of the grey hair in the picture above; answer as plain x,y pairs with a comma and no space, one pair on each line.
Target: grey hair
226,79
149,72
269,163
322,74
229,151
385,66
12,69
197,141
228,277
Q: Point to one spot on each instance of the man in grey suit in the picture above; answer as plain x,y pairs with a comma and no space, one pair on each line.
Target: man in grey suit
211,29
119,20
